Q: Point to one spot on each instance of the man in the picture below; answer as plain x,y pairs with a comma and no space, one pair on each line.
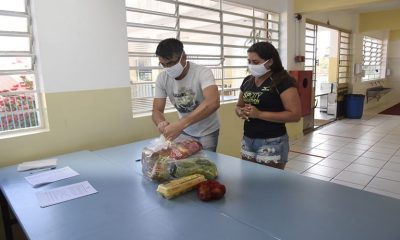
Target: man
192,90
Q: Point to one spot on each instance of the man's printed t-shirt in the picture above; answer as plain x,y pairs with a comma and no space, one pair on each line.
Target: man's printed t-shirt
265,98
187,94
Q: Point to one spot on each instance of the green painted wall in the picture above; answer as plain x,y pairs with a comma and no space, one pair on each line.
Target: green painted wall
388,20
102,118
308,6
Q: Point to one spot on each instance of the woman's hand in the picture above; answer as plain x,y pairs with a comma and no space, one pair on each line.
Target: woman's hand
240,113
250,111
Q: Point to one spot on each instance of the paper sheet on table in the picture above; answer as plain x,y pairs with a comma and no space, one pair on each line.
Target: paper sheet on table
65,193
51,176
48,163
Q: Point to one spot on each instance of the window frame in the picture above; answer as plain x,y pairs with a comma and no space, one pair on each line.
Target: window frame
27,116
373,46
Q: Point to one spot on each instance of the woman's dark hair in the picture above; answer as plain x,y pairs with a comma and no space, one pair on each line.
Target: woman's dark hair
168,48
266,50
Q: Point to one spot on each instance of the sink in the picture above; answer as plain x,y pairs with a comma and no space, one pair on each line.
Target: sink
377,92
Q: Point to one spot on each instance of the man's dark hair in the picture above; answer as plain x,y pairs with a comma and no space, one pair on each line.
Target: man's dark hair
170,47
266,50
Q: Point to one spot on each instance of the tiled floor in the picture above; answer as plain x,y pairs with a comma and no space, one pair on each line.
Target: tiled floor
359,153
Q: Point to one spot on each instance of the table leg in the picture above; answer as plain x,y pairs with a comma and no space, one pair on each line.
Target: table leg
7,221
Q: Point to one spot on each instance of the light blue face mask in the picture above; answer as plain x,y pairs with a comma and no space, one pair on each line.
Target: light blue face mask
176,70
257,70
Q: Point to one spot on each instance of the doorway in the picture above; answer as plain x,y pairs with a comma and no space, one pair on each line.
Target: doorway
325,76
328,57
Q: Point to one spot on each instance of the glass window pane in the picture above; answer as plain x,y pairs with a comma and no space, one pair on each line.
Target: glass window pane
152,5
14,43
245,31
229,18
148,33
146,62
260,14
235,73
200,37
21,82
139,47
201,50
15,63
235,51
262,24
13,24
208,3
199,13
151,19
238,41
200,25
273,35
273,17
344,45
310,48
235,62
310,33
206,62
310,40
13,5
273,26
237,9
309,62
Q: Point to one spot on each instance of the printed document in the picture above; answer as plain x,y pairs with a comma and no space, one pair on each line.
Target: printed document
51,176
65,193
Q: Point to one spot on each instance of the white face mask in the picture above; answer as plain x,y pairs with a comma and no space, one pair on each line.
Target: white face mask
176,70
258,70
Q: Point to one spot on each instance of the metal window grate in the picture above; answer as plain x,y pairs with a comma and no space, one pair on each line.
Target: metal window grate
373,59
19,98
344,44
344,57
215,34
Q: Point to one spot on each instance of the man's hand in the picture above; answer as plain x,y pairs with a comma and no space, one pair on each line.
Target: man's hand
161,126
173,130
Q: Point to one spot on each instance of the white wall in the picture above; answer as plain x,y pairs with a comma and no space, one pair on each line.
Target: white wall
83,44
272,5
340,19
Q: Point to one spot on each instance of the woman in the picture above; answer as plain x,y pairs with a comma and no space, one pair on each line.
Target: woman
268,99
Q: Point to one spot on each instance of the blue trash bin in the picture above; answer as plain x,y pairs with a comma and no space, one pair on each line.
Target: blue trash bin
354,105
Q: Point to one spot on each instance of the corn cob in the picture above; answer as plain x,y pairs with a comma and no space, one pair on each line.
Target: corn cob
178,186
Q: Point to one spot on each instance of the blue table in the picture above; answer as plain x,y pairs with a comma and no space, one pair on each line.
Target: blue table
260,203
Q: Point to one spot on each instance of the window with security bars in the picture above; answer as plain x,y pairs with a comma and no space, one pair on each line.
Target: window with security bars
374,65
215,34
19,103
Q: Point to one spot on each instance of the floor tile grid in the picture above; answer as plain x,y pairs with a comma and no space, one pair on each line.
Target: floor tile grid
349,163
376,176
366,185
376,144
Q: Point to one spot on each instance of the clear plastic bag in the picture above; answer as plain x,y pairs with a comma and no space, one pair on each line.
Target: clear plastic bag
163,160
